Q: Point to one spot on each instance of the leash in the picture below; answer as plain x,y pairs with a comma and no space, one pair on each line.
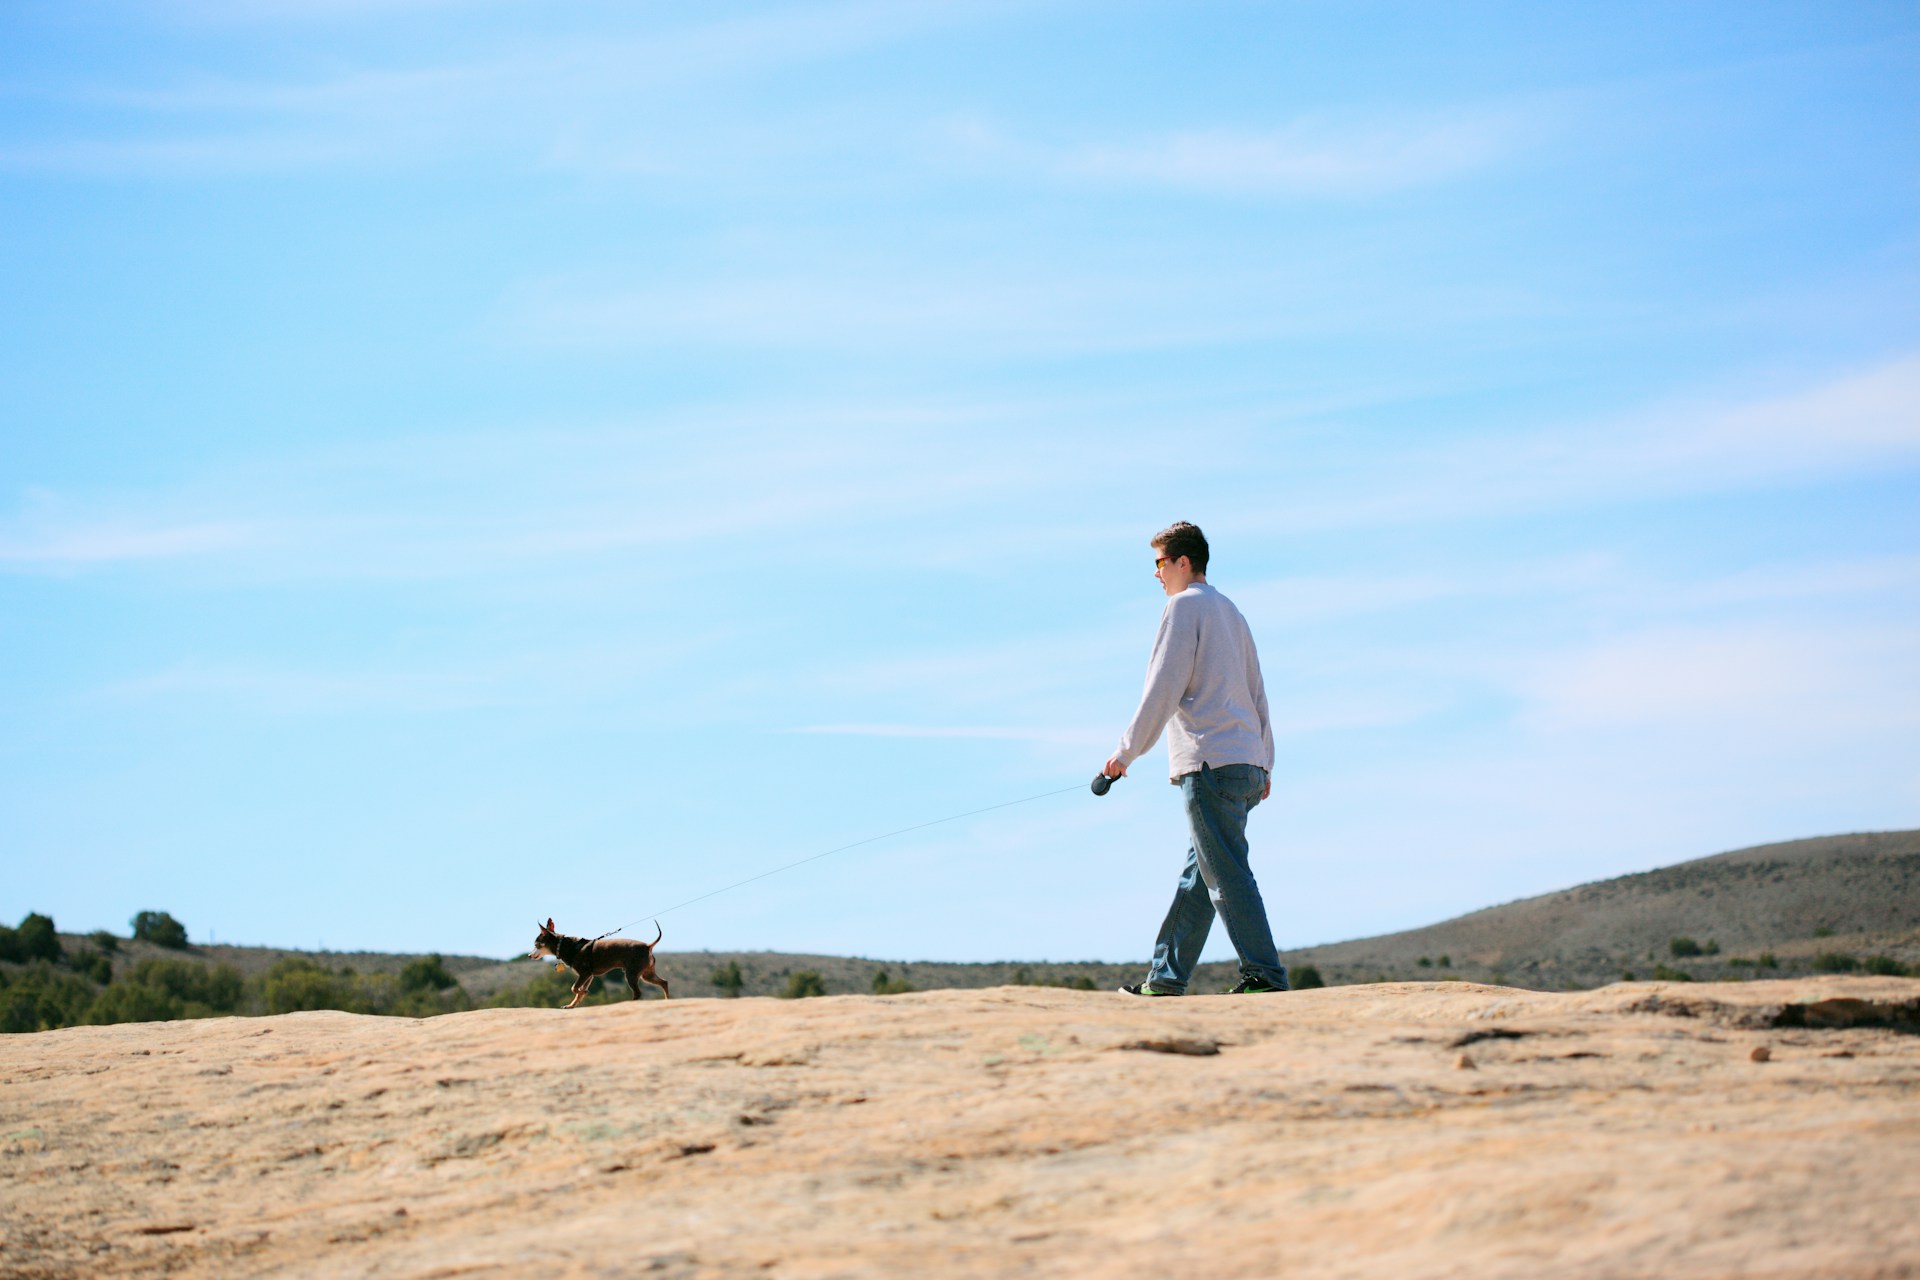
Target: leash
919,826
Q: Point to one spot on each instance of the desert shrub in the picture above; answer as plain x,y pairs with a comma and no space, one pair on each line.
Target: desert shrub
1834,962
42,999
36,938
104,940
1711,949
1446,962
1661,973
729,979
1739,962
1767,960
423,1003
201,989
549,988
884,984
1304,976
1078,982
1886,965
1824,931
297,983
426,973
161,929
93,966
410,993
135,1002
1425,962
1683,947
803,984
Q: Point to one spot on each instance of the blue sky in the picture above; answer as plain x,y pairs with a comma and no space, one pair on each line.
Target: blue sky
464,462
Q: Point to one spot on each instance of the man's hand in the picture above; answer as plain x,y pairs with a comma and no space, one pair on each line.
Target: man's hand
1113,768
1268,789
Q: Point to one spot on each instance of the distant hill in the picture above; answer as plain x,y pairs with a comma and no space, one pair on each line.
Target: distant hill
1839,897
1829,904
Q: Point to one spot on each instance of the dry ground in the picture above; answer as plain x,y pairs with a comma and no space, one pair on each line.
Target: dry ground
1427,1130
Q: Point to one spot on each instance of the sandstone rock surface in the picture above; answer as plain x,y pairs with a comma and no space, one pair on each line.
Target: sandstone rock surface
1628,1131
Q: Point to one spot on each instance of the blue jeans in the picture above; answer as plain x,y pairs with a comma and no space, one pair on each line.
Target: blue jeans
1218,880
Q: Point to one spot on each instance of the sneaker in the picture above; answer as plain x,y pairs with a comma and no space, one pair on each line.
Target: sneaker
1252,986
1146,989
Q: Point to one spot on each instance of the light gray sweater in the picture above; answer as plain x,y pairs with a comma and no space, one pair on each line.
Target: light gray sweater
1204,676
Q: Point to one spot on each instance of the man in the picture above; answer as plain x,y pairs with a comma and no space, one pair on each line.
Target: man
1204,676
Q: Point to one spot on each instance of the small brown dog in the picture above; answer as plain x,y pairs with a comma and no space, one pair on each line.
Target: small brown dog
602,955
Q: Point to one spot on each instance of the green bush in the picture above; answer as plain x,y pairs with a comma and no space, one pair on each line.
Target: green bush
1767,960
729,979
1446,962
426,973
1739,962
1425,962
885,984
1885,965
161,929
1663,974
37,939
297,983
201,989
1302,977
135,1002
1834,962
93,966
803,984
104,940
42,999
1683,947
548,988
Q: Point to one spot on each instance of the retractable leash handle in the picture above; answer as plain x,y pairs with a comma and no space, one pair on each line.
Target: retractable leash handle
1101,782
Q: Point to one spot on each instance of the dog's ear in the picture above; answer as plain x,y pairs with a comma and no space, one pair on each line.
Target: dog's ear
550,928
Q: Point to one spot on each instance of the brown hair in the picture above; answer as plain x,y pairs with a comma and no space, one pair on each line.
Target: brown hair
1182,538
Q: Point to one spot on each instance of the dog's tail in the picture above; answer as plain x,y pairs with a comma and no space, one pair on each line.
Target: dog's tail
657,935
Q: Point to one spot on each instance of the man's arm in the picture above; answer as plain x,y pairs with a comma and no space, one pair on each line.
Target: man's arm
1169,671
1257,685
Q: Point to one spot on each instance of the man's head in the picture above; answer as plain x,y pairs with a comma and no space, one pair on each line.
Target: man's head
1180,557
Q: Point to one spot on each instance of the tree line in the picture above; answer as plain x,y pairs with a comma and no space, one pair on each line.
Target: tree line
44,985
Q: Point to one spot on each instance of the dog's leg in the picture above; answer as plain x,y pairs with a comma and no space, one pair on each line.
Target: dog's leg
631,983
649,975
580,990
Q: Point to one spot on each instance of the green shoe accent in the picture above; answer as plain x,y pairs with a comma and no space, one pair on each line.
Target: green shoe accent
1252,987
1146,989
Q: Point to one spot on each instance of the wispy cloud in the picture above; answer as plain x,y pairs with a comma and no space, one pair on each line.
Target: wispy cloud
1291,602
1309,157
575,674
1862,419
82,545
944,309
1799,682
1077,737
570,101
